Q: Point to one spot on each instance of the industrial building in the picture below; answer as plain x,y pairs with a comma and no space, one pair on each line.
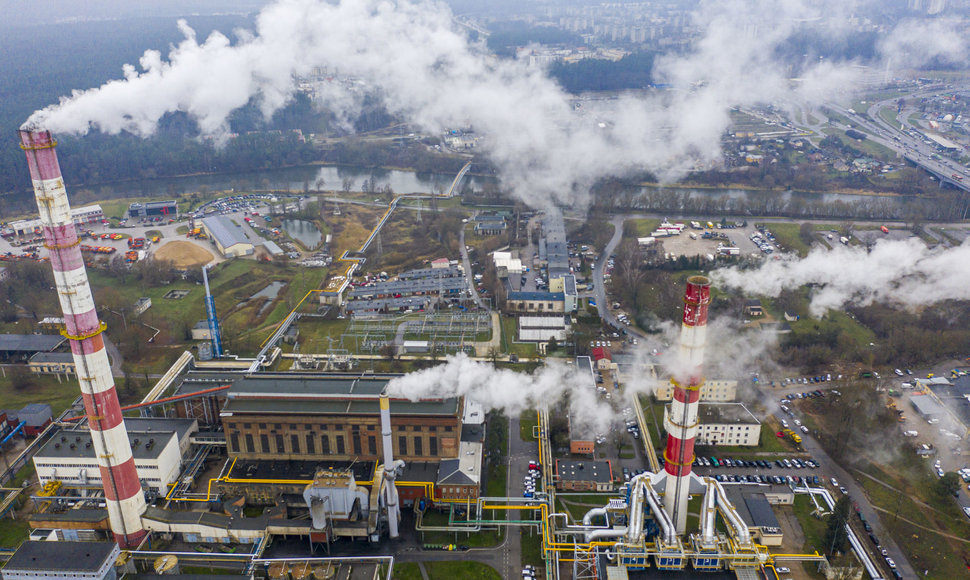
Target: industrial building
567,285
953,396
52,363
726,424
63,560
168,208
35,417
543,328
490,225
70,458
584,475
229,238
928,408
713,390
81,216
536,302
18,348
553,253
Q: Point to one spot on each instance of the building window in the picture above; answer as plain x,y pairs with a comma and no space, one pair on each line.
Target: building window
372,445
356,439
325,444
264,443
448,429
340,445
234,442
250,447
262,425
402,445
417,446
294,443
433,446
432,428
277,426
279,444
310,444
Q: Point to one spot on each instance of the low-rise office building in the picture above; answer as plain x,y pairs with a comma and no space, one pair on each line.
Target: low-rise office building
583,475
725,424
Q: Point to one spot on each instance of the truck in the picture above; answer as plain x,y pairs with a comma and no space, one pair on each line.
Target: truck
844,241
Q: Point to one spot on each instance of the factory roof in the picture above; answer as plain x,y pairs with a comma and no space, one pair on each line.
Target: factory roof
547,296
466,469
449,272
273,248
86,515
569,285
411,286
598,471
153,204
266,393
543,321
726,413
541,334
181,427
956,397
418,302
753,506
30,342
299,470
419,471
52,357
925,406
62,557
224,231
144,445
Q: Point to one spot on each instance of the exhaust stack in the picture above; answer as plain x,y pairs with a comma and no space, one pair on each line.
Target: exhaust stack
122,489
681,422
390,469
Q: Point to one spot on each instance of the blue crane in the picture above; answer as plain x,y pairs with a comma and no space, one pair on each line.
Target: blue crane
19,427
210,308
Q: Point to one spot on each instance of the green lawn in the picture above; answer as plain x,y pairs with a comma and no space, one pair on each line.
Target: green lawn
39,388
483,539
640,227
465,570
527,421
13,532
407,571
531,542
521,349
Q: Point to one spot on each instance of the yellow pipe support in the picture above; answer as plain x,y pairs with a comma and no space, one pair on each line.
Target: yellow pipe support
101,328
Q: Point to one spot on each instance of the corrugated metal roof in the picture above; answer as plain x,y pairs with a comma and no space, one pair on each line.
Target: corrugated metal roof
224,231
29,342
272,248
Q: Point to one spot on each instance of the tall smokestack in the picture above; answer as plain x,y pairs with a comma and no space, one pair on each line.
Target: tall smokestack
390,491
122,490
681,421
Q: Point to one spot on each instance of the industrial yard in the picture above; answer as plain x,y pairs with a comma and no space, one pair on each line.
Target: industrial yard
604,292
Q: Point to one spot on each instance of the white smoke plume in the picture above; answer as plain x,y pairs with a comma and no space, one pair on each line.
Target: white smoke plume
903,272
411,52
509,391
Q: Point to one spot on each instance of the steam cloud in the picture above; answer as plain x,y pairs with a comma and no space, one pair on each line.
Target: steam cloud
902,272
509,391
411,52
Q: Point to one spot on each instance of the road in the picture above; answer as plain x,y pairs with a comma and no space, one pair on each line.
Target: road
469,275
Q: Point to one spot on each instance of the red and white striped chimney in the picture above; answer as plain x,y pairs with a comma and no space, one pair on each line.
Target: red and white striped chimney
681,421
122,489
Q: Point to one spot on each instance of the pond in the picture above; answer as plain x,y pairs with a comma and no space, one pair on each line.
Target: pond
303,231
270,293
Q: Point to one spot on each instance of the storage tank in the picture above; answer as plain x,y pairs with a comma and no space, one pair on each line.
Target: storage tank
325,572
167,565
302,571
278,571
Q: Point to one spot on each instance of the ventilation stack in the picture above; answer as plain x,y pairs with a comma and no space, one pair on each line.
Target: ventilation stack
122,489
390,469
681,420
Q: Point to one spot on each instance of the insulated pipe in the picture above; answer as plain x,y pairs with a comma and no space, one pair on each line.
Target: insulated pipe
709,513
681,421
124,497
390,491
595,512
741,533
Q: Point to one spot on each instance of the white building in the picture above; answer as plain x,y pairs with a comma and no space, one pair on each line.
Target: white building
505,260
542,328
713,390
229,237
82,215
725,424
69,456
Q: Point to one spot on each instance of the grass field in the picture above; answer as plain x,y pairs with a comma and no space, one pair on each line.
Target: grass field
39,388
521,349
13,532
640,227
527,421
